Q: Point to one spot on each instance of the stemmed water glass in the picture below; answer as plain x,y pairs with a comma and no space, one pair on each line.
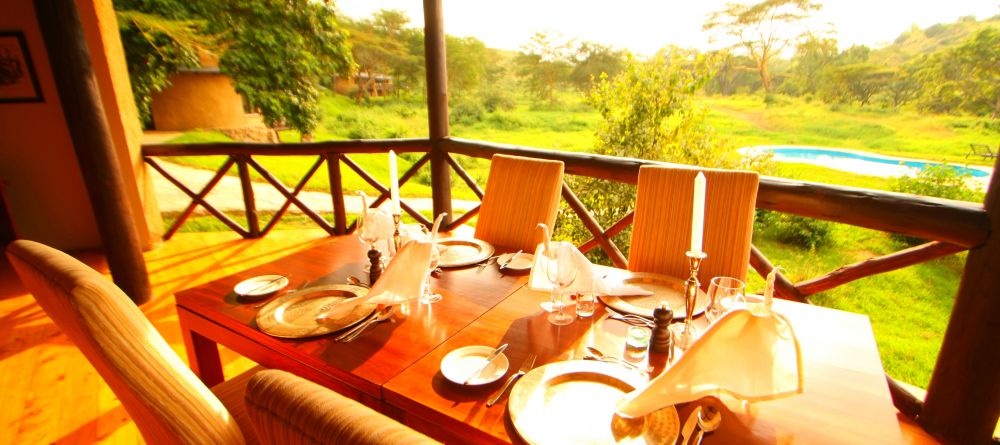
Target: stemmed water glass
725,294
561,271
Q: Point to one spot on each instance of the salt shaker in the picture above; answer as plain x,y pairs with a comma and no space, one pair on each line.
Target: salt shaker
661,340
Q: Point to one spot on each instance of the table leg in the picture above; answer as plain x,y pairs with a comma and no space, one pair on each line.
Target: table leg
203,355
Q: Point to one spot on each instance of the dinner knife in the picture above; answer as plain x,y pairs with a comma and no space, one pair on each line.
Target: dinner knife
510,260
689,425
489,359
525,367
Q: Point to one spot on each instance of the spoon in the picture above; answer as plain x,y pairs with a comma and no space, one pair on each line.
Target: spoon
355,281
707,422
596,354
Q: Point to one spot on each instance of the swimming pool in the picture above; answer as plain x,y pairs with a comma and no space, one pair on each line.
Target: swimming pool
860,162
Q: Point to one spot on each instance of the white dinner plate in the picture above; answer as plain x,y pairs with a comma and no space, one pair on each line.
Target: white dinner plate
261,285
459,364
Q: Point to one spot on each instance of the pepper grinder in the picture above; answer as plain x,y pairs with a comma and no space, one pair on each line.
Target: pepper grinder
375,271
662,340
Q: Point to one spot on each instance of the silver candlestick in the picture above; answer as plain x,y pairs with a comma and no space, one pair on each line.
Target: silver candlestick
689,333
395,235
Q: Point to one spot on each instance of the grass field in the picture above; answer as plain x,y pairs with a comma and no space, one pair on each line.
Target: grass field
908,308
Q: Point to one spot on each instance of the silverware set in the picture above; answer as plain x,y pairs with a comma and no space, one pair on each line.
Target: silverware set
381,315
705,420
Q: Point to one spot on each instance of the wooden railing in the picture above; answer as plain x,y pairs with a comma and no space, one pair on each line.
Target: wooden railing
951,226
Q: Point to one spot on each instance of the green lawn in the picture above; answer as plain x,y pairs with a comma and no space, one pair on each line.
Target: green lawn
908,308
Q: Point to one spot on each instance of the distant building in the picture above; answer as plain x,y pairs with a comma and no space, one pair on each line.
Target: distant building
376,85
204,98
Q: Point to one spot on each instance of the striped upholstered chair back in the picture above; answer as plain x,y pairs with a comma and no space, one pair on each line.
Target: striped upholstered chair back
520,194
166,401
289,410
662,227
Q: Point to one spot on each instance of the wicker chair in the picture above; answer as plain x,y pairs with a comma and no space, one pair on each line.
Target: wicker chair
662,226
520,194
165,399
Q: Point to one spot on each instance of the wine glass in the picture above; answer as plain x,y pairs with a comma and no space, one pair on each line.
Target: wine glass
562,273
549,254
725,294
368,230
426,296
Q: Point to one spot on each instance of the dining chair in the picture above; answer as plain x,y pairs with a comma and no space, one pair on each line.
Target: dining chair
520,194
661,231
167,402
288,410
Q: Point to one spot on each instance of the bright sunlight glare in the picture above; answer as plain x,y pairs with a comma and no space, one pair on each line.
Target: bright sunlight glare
644,26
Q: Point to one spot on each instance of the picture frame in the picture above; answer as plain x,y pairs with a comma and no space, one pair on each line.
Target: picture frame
18,80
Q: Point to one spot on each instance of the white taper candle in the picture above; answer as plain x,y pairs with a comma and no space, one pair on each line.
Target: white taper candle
698,213
393,183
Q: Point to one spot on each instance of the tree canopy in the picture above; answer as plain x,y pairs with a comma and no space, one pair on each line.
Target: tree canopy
278,54
762,29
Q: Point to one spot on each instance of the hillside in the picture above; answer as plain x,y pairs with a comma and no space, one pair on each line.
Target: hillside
917,42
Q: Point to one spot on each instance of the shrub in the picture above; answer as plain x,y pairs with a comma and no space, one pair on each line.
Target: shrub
467,111
804,232
498,100
505,121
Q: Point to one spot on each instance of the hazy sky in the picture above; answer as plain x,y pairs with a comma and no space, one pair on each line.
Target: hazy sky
643,26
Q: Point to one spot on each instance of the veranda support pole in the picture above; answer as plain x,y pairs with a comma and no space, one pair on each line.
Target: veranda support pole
963,398
80,97
437,105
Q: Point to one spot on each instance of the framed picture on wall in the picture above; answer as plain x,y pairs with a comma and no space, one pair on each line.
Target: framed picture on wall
18,81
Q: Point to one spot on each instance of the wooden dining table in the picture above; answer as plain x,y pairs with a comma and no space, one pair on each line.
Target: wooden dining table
395,367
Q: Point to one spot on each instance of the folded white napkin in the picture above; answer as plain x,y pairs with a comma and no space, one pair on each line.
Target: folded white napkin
400,281
751,356
588,277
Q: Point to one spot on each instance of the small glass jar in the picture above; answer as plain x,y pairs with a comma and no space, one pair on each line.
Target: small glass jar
637,342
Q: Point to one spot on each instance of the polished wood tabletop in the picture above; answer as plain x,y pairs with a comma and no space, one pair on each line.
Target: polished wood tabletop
396,367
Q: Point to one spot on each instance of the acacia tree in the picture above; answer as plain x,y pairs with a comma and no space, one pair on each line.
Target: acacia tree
593,59
545,64
813,57
761,29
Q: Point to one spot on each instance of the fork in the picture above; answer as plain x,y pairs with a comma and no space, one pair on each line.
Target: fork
490,260
629,318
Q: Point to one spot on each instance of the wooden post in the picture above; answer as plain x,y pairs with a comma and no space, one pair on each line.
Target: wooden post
249,203
80,97
437,105
963,398
337,192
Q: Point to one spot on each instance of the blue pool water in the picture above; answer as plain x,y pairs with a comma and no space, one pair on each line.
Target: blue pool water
870,164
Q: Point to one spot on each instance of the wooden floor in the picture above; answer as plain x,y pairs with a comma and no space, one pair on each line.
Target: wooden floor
49,393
